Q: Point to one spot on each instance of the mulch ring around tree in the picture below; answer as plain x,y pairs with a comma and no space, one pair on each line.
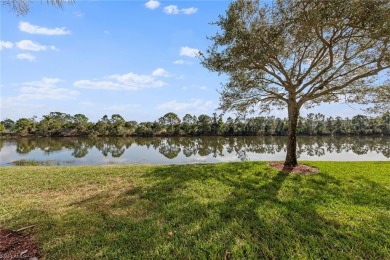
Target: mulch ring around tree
299,169
16,245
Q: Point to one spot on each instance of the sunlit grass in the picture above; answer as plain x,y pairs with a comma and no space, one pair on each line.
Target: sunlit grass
238,210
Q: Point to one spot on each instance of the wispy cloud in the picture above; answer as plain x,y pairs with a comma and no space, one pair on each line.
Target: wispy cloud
174,9
44,89
29,45
191,10
130,81
89,84
160,72
78,14
25,56
189,52
35,29
152,4
182,62
194,105
6,45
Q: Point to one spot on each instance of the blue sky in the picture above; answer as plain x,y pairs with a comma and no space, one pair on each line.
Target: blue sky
134,58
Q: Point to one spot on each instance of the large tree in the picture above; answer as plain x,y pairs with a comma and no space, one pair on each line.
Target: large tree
295,53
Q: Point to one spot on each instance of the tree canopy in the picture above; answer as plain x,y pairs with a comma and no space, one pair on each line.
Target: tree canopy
22,7
295,53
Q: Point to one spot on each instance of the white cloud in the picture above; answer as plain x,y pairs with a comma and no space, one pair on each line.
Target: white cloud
160,72
194,106
44,89
152,4
45,82
35,29
173,9
130,81
182,62
6,45
189,52
100,85
191,10
29,45
25,56
137,81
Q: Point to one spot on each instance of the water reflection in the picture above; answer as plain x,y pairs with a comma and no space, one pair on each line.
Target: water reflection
211,147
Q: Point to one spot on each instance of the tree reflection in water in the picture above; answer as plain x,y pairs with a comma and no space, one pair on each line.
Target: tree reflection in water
202,146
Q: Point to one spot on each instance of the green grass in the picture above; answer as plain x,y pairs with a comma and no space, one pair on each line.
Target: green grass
233,210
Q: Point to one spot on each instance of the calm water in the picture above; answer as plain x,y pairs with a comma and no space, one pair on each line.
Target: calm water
102,150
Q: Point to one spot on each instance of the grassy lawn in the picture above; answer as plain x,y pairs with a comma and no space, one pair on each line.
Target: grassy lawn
232,210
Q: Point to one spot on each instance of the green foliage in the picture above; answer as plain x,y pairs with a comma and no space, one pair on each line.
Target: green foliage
8,124
171,122
22,7
295,53
24,126
61,124
240,210
304,52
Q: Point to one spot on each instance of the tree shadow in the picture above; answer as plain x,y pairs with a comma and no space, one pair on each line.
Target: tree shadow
235,210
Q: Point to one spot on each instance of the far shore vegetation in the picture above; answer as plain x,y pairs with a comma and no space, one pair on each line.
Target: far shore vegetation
244,210
58,124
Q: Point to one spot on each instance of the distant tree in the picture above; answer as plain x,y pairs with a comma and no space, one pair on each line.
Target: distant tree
117,125
204,124
144,129
80,124
9,124
131,126
188,124
295,53
24,126
330,129
216,124
229,126
385,123
103,126
170,121
360,124
270,125
22,7
55,124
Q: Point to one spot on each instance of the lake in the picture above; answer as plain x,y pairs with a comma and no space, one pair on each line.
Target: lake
179,150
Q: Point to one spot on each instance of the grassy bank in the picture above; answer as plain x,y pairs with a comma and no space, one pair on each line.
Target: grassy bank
238,210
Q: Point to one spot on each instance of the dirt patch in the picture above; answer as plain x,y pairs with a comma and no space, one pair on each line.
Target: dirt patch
15,245
299,169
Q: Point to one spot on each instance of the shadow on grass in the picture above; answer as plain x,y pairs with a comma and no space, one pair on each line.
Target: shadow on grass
235,210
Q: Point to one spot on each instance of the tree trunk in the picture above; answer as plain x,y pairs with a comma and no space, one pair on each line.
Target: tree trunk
293,113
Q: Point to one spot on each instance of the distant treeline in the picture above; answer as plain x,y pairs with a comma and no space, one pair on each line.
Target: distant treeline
62,124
